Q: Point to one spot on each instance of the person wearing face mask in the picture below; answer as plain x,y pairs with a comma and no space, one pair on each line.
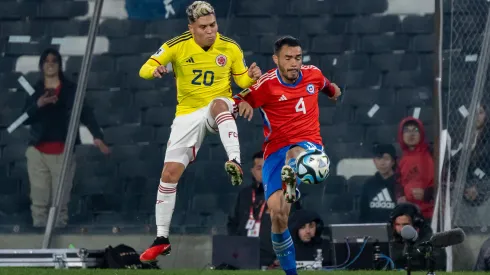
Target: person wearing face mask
49,111
415,168
378,193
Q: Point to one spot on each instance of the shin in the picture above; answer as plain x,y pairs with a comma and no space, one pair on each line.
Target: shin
282,241
228,131
164,207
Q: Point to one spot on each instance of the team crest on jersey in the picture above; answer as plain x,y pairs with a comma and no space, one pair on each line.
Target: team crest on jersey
310,89
221,60
158,52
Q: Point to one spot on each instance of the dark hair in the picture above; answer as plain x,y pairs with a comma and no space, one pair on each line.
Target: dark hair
57,54
285,41
406,209
258,155
411,123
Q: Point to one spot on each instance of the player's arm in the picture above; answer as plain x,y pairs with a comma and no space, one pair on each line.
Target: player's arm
155,65
330,89
250,98
244,77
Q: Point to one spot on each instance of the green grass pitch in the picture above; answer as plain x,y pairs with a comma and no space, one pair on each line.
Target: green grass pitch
50,271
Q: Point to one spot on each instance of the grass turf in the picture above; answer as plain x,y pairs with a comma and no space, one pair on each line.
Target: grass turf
50,271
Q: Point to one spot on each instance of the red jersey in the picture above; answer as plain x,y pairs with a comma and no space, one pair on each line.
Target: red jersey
290,111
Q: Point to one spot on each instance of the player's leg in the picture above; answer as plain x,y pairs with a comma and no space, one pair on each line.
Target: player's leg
221,118
288,174
282,242
288,171
165,202
184,142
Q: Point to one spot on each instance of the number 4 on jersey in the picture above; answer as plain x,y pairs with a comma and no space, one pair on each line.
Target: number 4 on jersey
300,106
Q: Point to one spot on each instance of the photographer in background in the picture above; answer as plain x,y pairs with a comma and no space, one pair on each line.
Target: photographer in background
410,214
49,110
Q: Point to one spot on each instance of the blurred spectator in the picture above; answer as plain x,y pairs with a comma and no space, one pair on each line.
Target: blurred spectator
306,230
250,205
477,183
251,216
483,260
416,167
378,193
49,110
410,214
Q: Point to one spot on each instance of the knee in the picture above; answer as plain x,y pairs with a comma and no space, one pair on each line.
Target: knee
218,107
294,152
171,173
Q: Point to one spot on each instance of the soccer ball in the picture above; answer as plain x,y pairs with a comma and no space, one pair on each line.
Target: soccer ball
312,166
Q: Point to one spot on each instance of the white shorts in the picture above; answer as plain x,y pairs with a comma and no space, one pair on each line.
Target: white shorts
188,131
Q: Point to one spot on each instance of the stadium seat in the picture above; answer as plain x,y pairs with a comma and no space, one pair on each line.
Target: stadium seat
342,203
383,115
334,185
374,24
17,10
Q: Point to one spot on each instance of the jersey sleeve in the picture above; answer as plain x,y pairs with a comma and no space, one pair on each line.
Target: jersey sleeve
239,69
325,84
162,56
255,95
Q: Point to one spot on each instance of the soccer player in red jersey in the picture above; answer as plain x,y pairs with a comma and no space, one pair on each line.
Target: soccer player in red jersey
288,101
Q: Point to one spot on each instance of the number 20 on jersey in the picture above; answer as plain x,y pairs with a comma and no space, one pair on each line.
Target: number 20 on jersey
205,78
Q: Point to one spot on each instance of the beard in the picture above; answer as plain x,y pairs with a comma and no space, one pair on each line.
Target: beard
286,72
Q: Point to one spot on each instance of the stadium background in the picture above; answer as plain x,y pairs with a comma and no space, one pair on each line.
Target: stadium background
381,52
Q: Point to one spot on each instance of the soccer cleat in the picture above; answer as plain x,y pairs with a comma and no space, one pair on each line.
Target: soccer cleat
234,170
160,246
288,177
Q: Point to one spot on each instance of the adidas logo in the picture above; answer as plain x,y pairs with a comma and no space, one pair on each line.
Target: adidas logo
382,200
282,98
190,60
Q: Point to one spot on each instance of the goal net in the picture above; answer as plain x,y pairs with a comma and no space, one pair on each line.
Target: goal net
463,199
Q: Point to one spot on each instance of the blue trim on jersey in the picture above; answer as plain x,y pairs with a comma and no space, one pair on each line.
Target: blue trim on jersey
266,123
271,170
287,84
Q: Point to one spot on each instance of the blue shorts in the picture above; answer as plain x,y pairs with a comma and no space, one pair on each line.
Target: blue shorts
271,171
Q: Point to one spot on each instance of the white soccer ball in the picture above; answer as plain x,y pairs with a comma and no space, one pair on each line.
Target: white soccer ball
312,166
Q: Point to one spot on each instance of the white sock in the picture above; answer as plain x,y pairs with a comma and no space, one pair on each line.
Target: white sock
228,133
164,207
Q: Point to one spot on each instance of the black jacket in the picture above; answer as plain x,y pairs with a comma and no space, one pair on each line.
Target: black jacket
418,260
377,199
483,260
239,218
308,251
50,123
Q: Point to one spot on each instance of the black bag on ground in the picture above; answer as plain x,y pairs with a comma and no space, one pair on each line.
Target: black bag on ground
124,257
